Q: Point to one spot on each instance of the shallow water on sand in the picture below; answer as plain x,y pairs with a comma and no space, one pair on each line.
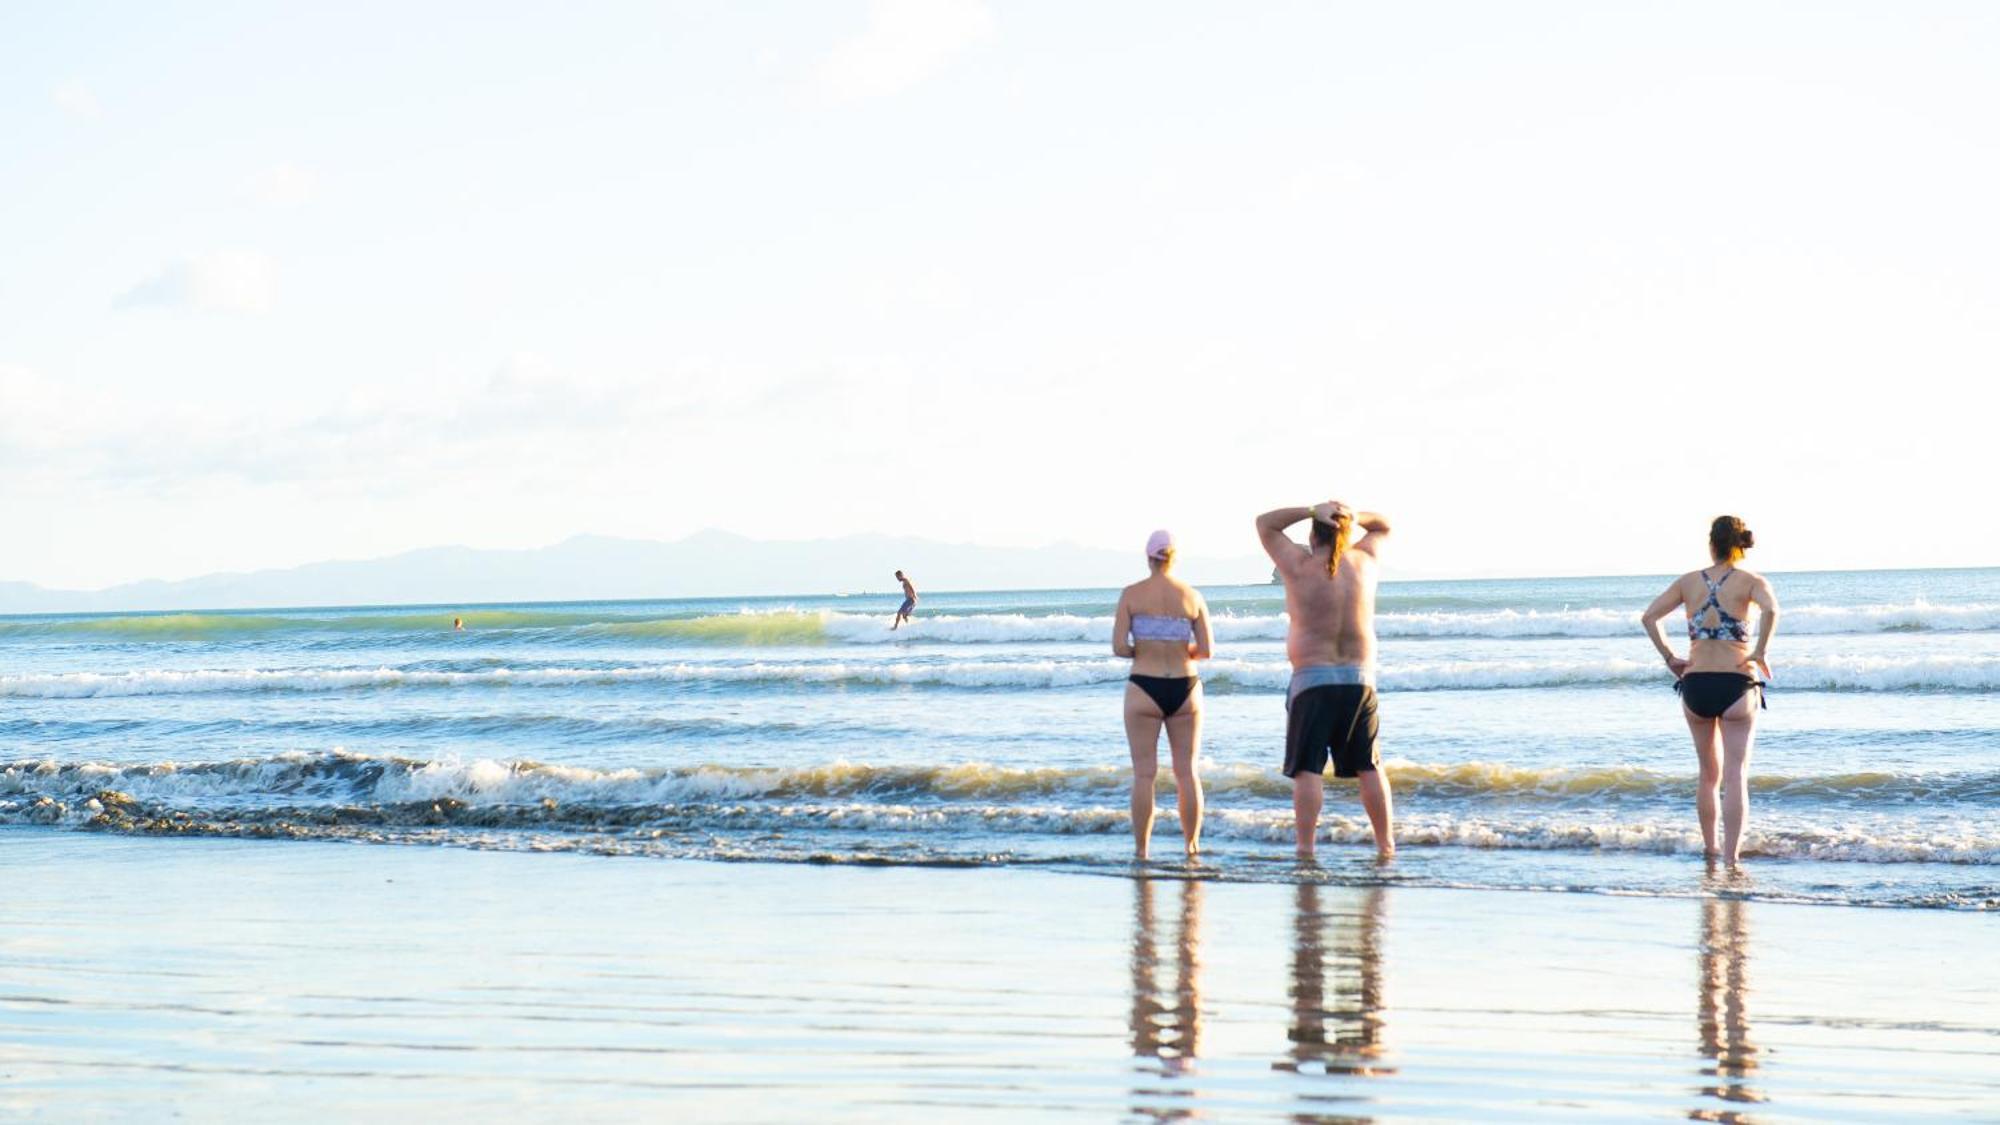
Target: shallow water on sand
303,980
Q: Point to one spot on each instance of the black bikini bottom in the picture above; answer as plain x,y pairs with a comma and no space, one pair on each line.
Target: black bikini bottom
1709,694
1169,693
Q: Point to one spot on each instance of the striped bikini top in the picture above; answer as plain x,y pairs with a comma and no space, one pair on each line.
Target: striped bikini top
1726,627
1157,627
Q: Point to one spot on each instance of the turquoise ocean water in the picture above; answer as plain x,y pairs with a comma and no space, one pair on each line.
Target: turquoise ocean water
1534,739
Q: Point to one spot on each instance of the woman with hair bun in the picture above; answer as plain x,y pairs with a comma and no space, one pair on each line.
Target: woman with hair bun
1721,671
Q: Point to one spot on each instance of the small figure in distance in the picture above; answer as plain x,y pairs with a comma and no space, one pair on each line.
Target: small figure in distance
909,601
1330,703
1720,672
458,624
1162,627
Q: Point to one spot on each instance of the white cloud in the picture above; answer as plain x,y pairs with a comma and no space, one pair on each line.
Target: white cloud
281,185
77,100
241,281
905,42
53,432
34,404
526,419
924,293
1320,183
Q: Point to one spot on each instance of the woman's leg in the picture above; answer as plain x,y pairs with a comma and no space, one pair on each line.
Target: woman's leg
1184,738
1739,730
1142,731
1708,762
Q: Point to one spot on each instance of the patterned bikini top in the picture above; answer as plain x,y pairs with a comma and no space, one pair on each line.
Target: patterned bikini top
1156,627
1726,627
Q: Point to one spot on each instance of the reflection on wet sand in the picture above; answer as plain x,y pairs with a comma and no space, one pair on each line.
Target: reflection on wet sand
1341,1034
1166,1026
1722,1015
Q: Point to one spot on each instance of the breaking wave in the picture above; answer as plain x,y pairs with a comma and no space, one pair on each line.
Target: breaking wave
954,833
814,627
345,778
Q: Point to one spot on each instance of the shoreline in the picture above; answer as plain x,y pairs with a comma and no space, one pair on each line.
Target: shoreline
1348,864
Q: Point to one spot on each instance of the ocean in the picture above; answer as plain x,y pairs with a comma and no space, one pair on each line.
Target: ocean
1534,740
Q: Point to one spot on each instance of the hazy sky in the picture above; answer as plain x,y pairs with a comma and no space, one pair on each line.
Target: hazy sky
1552,284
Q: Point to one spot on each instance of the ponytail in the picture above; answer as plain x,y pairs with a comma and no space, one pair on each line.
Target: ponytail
1335,533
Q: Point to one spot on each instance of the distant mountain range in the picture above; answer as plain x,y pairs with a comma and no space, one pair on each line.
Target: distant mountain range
596,567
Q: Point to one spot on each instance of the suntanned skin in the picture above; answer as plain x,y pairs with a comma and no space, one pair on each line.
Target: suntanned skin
1332,622
909,595
1721,745
1163,595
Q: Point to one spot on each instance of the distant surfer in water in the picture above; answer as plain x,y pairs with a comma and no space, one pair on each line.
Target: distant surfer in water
1330,704
909,601
458,624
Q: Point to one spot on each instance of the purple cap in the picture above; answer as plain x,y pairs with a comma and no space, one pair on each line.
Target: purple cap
1159,544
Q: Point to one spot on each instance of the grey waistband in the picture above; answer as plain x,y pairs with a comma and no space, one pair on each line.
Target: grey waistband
1323,675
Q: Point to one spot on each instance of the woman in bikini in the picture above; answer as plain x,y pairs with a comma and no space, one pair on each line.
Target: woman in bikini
1721,682
1162,625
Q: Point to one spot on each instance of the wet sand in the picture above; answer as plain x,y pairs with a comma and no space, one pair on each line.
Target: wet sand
209,978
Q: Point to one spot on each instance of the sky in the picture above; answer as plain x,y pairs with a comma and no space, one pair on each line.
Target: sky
1549,284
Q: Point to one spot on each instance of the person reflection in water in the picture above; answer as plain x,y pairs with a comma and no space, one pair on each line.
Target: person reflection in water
1166,1025
1721,1014
1341,1033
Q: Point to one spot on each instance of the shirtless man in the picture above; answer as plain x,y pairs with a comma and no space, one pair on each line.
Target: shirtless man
1330,596
909,601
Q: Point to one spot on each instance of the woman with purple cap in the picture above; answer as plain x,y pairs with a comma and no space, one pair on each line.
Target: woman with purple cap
1162,625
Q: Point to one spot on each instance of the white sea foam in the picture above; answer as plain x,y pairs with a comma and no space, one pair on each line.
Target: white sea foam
346,777
1918,616
972,674
945,829
1825,673
980,628
947,806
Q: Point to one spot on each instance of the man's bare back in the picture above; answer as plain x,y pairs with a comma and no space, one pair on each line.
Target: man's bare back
1333,616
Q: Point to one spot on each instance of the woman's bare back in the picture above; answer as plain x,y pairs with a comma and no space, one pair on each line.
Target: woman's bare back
1163,595
1735,593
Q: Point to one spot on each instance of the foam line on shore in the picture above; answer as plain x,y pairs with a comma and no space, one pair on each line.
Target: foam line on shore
341,778
961,833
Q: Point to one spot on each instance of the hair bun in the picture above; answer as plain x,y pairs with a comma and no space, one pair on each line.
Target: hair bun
1728,535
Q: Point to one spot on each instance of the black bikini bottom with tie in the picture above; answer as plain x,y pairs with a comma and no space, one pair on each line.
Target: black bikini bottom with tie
1709,694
